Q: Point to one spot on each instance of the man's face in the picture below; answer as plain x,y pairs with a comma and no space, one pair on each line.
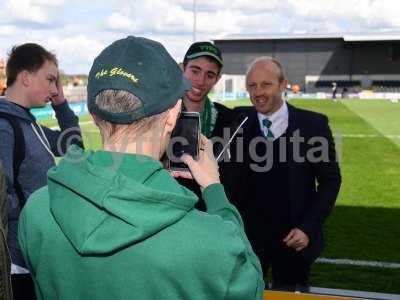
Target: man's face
43,84
265,88
203,74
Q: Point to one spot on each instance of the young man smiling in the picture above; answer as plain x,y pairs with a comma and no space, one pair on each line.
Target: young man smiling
202,66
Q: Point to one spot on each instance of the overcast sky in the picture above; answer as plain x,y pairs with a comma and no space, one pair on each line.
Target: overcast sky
77,30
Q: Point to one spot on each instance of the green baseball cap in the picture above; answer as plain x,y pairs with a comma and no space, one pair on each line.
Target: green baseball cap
142,67
199,49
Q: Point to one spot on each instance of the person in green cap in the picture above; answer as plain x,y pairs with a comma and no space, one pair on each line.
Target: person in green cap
114,224
202,66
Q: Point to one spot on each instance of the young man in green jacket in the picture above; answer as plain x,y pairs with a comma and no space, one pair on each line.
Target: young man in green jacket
113,224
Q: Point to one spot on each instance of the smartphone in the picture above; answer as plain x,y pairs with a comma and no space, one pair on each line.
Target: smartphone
185,139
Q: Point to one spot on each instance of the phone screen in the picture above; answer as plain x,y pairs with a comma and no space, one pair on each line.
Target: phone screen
184,139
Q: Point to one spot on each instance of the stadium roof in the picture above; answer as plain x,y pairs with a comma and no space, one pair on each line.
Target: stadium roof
347,37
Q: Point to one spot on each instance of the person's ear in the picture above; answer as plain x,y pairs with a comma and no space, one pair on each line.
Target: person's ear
181,66
24,77
282,85
172,116
95,119
218,78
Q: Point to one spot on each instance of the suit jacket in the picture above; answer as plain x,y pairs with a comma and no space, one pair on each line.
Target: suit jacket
313,185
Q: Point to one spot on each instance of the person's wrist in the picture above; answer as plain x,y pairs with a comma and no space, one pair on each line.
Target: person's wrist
59,101
211,182
211,190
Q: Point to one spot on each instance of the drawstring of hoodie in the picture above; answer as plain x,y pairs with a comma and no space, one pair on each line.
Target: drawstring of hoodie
42,138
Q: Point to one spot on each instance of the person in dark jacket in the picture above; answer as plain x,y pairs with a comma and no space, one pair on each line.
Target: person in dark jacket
32,81
202,66
289,181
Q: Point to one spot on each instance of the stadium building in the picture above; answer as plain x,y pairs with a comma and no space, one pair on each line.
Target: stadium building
357,62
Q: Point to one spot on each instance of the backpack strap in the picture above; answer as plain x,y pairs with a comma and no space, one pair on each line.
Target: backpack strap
18,155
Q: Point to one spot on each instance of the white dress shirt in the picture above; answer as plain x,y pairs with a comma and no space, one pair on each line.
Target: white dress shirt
279,120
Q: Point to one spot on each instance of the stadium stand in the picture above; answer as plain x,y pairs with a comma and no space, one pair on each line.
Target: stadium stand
386,86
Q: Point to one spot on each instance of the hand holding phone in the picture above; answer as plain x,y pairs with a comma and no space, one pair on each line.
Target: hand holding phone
184,140
205,169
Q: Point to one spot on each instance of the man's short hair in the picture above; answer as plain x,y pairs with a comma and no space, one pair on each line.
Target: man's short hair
204,49
119,101
29,57
281,71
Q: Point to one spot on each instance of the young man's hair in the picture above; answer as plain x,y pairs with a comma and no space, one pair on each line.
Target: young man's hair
29,57
119,101
209,58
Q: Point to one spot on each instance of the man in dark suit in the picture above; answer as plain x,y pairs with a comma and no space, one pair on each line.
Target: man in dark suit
289,181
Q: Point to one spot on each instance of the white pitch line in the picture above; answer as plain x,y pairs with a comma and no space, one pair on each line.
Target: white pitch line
360,263
80,123
86,122
389,136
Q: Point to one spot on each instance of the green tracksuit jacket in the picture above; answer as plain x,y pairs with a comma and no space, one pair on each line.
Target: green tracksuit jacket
118,226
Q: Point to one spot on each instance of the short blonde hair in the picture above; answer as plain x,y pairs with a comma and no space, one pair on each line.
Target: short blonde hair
119,101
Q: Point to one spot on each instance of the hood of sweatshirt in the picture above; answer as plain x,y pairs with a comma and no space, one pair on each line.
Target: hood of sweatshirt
15,110
105,201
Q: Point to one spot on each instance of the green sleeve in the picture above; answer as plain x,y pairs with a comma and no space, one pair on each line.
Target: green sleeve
218,204
22,239
246,280
27,242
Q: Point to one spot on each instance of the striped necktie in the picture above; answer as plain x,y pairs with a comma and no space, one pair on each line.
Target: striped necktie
267,124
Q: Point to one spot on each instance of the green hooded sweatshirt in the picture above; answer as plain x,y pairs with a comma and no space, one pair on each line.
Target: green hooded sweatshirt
118,226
